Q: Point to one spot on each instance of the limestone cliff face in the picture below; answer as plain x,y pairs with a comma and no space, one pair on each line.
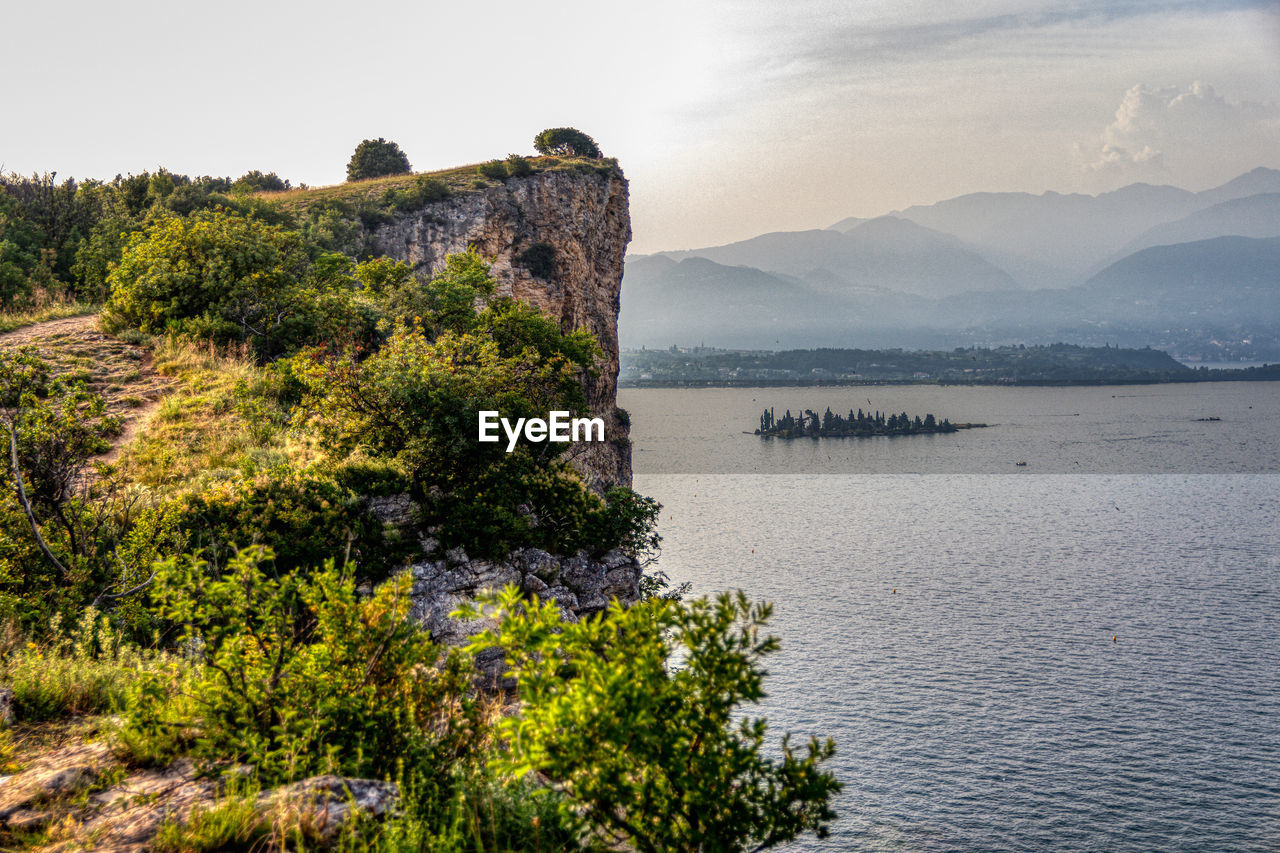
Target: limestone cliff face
584,215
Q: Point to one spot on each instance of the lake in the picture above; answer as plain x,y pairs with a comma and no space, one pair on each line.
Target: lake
1076,654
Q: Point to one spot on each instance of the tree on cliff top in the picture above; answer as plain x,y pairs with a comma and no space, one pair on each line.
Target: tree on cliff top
566,141
374,158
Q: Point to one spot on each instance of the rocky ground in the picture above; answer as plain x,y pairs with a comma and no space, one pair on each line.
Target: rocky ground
68,792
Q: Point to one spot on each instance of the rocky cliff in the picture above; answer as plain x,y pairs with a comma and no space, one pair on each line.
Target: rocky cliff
583,216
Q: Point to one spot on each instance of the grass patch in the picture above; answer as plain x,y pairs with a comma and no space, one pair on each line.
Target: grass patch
220,421
232,823
88,672
458,180
53,686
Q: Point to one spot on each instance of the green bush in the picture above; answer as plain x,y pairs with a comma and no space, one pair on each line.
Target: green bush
423,192
374,158
375,477
629,522
518,167
446,302
215,275
301,675
224,277
651,754
256,181
494,170
417,398
518,502
521,502
415,402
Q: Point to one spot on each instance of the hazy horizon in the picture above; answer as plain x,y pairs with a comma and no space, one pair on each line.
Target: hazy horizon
731,119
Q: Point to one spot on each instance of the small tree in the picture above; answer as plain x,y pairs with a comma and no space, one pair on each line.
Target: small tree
566,142
374,158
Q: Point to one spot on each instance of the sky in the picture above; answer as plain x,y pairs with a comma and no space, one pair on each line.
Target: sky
730,118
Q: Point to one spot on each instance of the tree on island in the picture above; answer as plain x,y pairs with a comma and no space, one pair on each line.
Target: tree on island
566,142
829,424
376,158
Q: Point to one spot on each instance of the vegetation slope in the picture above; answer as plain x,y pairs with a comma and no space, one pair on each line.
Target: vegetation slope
211,591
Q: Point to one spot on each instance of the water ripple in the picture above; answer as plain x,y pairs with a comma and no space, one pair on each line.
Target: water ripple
983,705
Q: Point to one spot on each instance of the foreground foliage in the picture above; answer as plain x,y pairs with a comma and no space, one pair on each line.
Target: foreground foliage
89,670
298,675
633,718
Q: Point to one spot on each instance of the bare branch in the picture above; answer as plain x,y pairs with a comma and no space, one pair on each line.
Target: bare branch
26,503
112,596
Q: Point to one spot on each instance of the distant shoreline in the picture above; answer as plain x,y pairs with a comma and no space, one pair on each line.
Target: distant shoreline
1272,376
1052,365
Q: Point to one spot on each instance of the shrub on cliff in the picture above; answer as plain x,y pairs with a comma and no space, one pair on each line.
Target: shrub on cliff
416,401
519,502
651,754
446,301
566,142
374,158
494,170
424,191
216,274
518,167
417,398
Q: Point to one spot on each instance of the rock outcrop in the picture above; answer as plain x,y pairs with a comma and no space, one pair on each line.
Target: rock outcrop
62,792
583,215
446,579
579,585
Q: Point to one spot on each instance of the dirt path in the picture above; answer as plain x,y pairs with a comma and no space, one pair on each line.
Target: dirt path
36,331
121,372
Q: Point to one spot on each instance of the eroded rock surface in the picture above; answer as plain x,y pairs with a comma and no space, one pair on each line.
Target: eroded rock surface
580,585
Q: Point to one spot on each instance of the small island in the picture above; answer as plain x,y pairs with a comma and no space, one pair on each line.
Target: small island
856,425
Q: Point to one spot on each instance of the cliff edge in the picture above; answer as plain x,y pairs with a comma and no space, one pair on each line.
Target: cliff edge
583,216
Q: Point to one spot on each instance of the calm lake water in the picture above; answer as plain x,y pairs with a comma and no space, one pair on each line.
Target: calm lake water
948,617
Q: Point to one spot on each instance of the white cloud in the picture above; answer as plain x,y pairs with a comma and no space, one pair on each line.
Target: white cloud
1174,131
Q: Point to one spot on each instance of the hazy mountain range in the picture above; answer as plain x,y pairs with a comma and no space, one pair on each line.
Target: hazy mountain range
1143,265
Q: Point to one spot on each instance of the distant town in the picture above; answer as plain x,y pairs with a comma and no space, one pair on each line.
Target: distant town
1056,364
